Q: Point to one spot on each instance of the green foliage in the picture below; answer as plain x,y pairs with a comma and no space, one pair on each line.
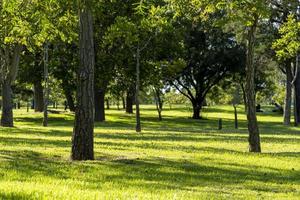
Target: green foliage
288,46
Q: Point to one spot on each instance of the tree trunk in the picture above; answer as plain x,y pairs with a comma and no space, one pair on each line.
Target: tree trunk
9,66
138,127
297,94
129,102
7,105
158,102
123,102
107,104
38,96
236,125
70,100
254,138
99,105
288,95
197,106
244,96
83,133
46,89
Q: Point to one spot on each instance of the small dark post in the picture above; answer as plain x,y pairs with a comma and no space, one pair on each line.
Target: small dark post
220,124
28,103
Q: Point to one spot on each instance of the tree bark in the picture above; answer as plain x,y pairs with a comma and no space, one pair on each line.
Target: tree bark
138,127
297,97
9,68
236,125
99,105
46,89
254,138
197,107
7,105
158,102
83,133
288,95
123,102
129,102
38,96
70,100
107,104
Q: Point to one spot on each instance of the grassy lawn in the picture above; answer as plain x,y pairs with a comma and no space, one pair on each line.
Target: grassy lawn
178,158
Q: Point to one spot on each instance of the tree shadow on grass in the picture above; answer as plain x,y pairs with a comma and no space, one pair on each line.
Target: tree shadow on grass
16,196
148,173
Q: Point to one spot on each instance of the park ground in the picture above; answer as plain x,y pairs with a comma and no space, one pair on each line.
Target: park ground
178,158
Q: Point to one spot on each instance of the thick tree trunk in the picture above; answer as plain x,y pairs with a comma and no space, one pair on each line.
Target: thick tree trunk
7,105
138,127
123,102
83,133
254,138
129,102
197,107
38,96
9,66
288,95
70,100
99,105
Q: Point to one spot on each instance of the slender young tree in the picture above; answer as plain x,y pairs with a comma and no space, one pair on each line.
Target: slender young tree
245,16
46,89
83,133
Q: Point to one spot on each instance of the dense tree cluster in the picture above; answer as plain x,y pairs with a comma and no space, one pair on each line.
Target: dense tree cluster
118,50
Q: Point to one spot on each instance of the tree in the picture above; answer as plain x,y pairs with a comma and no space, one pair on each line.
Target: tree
83,133
135,35
281,9
210,56
12,14
287,49
244,15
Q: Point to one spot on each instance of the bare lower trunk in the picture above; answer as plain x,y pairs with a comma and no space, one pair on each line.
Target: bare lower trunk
288,95
83,133
254,138
70,100
7,105
99,105
244,96
236,125
107,104
10,58
197,110
38,96
138,127
297,94
46,89
158,102
129,102
123,102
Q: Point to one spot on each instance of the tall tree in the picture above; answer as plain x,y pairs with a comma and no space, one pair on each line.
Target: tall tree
12,14
244,17
287,49
83,133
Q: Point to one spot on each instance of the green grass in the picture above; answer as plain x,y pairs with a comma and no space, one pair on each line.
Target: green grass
178,158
